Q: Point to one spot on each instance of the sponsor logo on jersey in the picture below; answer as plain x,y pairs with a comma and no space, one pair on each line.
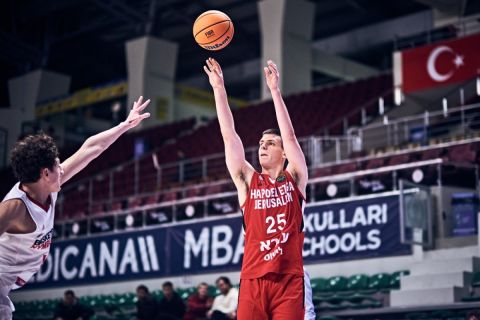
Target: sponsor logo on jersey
272,197
44,242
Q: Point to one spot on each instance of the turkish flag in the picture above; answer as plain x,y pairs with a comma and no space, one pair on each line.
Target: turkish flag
440,64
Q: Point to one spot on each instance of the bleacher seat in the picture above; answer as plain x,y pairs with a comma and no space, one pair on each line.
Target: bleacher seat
134,202
395,278
462,154
375,163
474,289
399,159
379,282
357,282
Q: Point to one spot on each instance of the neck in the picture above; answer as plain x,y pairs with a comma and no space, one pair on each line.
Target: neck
36,192
272,172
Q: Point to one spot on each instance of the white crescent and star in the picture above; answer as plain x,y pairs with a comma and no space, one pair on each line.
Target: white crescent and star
432,58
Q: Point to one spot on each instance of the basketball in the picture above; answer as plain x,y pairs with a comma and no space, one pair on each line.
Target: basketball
213,30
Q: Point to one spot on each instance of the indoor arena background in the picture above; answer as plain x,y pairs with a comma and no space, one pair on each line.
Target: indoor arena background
383,95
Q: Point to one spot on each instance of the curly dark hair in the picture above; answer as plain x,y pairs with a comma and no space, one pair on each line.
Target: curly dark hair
30,155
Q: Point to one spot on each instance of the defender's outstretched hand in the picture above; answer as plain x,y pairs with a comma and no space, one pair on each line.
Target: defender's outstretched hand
95,145
214,72
136,116
272,76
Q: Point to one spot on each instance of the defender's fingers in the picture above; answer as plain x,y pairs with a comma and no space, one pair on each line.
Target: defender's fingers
144,105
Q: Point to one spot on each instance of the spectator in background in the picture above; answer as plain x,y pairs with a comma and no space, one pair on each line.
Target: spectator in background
70,309
147,306
199,303
225,305
171,307
474,315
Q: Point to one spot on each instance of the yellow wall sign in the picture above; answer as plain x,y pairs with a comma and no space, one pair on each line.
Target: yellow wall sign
89,96
161,109
203,98
82,98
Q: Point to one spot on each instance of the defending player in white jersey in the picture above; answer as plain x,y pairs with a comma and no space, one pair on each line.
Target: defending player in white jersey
27,212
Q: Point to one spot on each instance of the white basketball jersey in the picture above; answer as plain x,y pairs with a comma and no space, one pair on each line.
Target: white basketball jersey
22,255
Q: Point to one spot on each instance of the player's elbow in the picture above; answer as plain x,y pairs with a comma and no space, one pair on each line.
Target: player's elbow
229,136
289,137
94,148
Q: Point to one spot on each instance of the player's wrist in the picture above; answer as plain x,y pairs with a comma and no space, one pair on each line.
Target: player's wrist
275,89
124,125
219,87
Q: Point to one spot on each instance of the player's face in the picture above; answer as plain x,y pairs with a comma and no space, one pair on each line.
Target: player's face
54,176
270,151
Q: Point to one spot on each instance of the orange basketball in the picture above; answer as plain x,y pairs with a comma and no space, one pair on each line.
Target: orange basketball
213,30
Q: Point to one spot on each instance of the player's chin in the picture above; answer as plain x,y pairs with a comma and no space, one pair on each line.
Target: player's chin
264,162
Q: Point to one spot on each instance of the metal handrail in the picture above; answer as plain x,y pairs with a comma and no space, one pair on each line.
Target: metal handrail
421,116
311,148
464,26
311,183
349,175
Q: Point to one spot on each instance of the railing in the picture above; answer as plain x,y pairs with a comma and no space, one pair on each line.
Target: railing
145,176
461,28
446,115
436,172
385,178
420,130
331,149
362,113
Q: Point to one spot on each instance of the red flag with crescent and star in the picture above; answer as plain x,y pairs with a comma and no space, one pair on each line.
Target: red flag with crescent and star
439,64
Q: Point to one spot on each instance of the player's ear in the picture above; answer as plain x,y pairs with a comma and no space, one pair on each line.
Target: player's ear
44,172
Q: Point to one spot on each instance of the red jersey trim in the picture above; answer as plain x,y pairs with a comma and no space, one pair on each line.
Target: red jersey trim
20,282
249,186
295,185
38,204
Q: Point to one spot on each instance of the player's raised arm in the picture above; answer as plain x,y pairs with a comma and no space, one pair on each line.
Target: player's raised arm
240,170
95,145
297,165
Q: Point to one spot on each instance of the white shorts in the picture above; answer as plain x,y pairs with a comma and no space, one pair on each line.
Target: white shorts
309,307
6,305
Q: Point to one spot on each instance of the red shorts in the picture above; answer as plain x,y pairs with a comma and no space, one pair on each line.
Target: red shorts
271,297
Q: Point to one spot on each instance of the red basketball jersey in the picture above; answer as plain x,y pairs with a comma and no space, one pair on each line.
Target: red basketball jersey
273,223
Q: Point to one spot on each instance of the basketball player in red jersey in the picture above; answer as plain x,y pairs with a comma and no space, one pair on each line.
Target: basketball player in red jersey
272,203
27,211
